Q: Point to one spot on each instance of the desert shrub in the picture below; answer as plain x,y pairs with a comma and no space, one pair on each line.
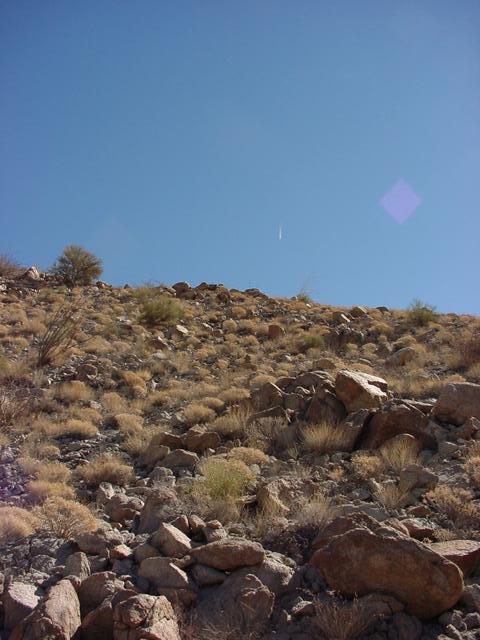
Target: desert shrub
233,423
467,353
338,619
113,402
74,391
472,467
198,414
156,308
225,478
12,406
73,428
40,490
420,313
310,340
16,523
325,438
45,471
135,383
399,453
303,296
248,455
65,518
368,465
456,503
9,267
390,495
317,512
77,266
106,468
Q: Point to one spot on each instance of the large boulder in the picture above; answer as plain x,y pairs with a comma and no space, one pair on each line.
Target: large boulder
19,600
157,508
143,616
171,541
57,617
464,553
96,588
393,420
168,579
457,402
359,390
380,559
228,554
267,396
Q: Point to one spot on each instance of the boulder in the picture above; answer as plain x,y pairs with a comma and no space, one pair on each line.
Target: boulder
380,559
267,396
395,419
157,508
458,401
401,357
77,564
121,508
180,459
144,616
325,408
169,580
275,331
57,617
171,541
464,553
199,439
228,554
98,624
96,588
19,600
414,476
358,390
98,542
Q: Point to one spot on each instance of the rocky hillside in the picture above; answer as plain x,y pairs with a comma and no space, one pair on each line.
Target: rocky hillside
203,463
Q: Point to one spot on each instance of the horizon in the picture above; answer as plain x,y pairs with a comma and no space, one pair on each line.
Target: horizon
281,146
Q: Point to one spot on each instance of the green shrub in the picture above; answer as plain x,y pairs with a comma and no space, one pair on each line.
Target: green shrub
77,266
311,340
225,478
156,307
420,313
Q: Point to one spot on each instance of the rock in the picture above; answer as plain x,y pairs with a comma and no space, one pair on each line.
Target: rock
268,498
157,509
464,553
471,597
56,617
19,600
98,624
415,476
143,616
169,580
198,439
241,605
180,459
229,554
206,576
401,357
380,559
96,588
420,528
404,627
98,542
458,401
77,564
358,312
267,396
273,573
171,541
327,408
358,390
121,508
275,331
393,420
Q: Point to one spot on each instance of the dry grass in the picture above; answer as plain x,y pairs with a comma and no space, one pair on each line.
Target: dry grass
225,478
368,465
317,512
106,468
12,406
390,495
16,523
74,391
128,423
338,619
65,518
248,455
74,428
472,467
60,334
399,453
135,384
325,438
40,490
45,471
233,423
113,402
234,395
198,414
456,503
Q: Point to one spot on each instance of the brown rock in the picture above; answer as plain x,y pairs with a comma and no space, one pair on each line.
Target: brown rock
395,419
171,541
457,402
229,554
57,617
361,561
19,600
96,588
464,553
267,396
275,331
358,390
77,564
198,439
158,506
180,459
143,616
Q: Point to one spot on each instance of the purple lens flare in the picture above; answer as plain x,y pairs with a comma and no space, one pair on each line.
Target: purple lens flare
400,201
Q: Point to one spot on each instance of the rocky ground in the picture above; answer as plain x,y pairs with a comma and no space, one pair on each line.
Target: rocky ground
244,467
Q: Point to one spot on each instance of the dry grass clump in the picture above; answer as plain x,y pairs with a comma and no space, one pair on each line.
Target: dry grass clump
317,512
128,423
398,453
233,395
73,428
272,435
467,353
368,465
40,490
156,308
74,391
135,384
113,402
12,406
390,495
9,267
248,455
472,467
456,503
225,478
198,414
46,471
106,468
313,339
16,523
136,443
233,423
65,518
420,314
338,619
325,438
213,403
60,334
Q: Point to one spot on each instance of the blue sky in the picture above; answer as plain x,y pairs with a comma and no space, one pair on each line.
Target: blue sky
172,138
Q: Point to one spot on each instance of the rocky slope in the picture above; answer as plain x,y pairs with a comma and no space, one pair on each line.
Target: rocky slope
235,466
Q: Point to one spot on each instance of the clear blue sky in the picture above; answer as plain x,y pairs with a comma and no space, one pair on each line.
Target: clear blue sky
172,138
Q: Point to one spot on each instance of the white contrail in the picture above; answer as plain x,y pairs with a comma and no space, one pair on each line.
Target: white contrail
280,232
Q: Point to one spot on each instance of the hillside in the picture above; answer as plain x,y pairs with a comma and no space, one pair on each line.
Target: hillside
208,463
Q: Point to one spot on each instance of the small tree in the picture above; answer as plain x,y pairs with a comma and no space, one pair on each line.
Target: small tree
77,266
